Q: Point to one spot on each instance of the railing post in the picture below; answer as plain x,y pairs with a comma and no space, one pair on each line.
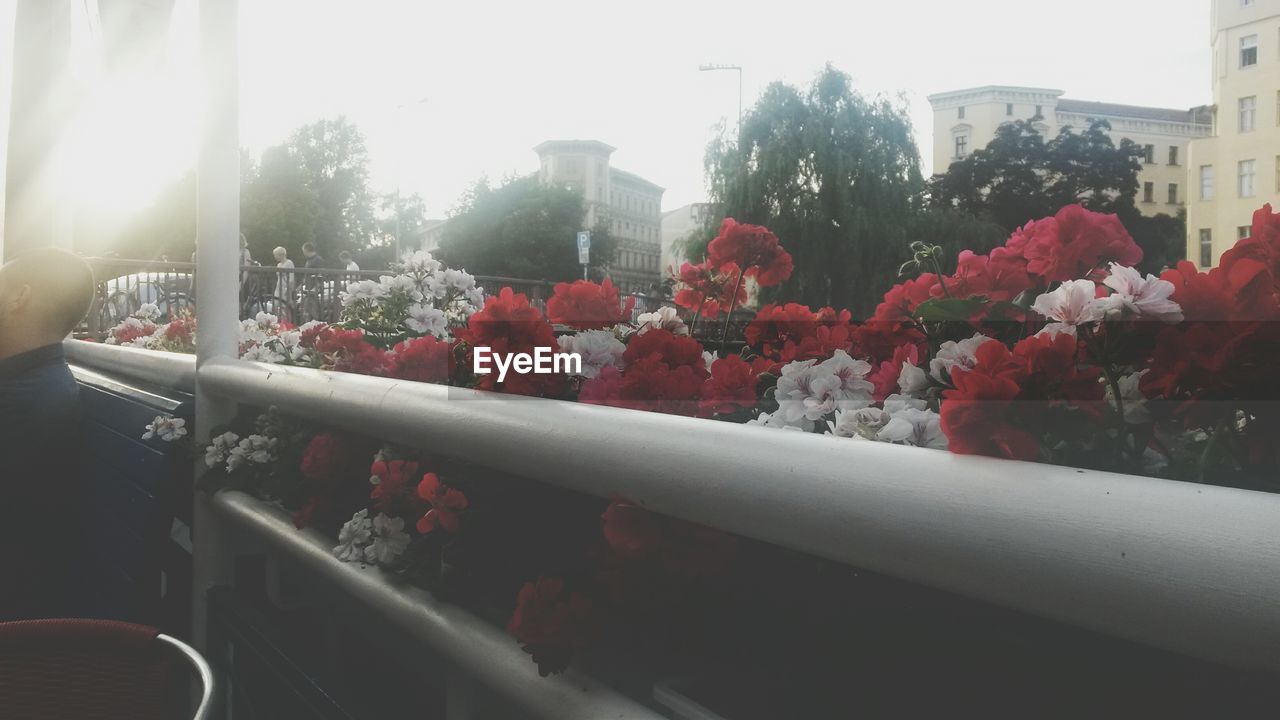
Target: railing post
218,265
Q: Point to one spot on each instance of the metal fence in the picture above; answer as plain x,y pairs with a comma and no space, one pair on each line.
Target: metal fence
297,295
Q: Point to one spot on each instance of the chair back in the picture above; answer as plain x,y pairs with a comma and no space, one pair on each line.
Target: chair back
66,669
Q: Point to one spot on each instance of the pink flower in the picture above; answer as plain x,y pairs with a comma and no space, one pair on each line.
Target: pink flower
1149,298
1073,303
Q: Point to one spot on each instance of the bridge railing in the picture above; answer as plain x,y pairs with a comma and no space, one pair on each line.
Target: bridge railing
1184,567
297,295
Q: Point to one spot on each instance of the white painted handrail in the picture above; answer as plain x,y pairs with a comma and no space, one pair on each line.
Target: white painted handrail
1191,568
173,370
481,650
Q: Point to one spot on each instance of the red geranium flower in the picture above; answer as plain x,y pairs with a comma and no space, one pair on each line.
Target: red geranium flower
885,377
311,334
425,359
394,480
664,373
631,531
331,457
976,414
509,324
347,351
660,344
653,385
901,301
731,387
752,248
587,306
708,289
446,503
1075,243
1002,275
1200,295
550,624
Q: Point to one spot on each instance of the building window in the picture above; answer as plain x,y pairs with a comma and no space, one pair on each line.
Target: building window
1038,111
1206,247
1173,154
1173,193
962,145
1149,154
1246,175
1248,51
1008,108
1248,113
1148,192
1243,231
960,112
1206,182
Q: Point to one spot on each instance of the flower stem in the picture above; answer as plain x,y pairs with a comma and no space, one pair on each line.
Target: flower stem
937,268
733,304
693,321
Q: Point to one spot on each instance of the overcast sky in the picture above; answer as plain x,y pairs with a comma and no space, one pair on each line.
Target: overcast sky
501,77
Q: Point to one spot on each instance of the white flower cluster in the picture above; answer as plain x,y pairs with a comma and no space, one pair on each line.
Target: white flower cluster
132,325
423,296
597,348
809,391
664,318
233,451
837,391
167,429
263,339
378,540
950,354
902,420
1076,302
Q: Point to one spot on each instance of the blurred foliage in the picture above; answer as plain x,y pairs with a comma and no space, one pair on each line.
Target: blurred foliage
523,229
835,175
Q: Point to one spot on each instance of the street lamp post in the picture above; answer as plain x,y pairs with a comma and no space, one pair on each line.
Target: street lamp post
738,68
399,162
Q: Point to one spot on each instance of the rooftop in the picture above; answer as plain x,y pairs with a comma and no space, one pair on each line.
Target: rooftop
1197,115
593,146
616,174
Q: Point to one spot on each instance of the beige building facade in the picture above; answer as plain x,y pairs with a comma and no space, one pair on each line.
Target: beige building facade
966,120
678,225
630,205
1237,170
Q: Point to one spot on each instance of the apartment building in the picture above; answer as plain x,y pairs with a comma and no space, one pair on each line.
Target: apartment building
966,120
1237,169
630,205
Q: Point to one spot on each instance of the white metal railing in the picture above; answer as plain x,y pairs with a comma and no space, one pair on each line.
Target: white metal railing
1191,568
482,651
172,370
1187,567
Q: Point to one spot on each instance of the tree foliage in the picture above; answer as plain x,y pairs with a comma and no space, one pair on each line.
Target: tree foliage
835,175
312,188
1020,176
523,229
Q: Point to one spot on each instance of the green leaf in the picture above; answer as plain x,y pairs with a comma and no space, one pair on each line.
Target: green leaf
944,309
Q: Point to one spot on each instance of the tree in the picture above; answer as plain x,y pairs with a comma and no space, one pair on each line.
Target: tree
1019,177
312,188
523,229
276,207
835,175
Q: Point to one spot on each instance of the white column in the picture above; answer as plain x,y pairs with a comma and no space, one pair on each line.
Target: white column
217,268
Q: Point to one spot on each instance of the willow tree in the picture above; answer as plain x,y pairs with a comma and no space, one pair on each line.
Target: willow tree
836,176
